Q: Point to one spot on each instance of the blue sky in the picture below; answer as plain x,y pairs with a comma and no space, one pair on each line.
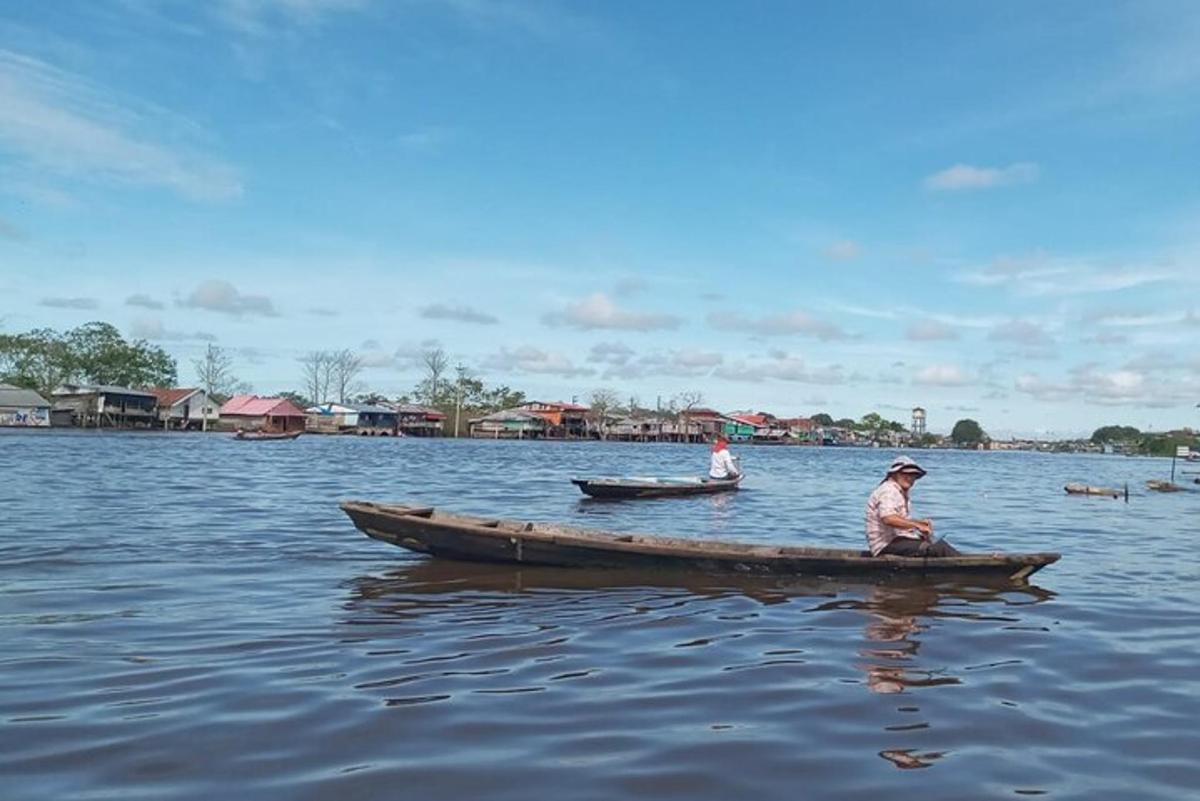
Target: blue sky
990,210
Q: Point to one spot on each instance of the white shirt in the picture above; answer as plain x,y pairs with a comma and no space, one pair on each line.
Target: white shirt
722,465
887,499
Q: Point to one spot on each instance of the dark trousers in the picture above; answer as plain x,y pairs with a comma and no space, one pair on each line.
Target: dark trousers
903,546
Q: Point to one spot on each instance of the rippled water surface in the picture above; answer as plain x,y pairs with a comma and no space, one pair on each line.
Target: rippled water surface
187,616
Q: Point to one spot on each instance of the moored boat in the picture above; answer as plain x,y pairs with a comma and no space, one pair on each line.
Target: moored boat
1075,488
255,436
653,486
480,539
1159,485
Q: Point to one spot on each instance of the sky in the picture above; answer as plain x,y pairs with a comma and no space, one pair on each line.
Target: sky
987,210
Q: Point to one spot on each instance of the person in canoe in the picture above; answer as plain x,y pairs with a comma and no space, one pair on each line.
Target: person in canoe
722,465
891,528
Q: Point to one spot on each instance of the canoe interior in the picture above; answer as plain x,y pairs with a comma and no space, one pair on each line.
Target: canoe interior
472,538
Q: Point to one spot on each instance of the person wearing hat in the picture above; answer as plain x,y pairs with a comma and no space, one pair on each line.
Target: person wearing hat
891,528
722,466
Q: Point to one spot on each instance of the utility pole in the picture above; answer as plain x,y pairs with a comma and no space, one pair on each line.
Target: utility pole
460,369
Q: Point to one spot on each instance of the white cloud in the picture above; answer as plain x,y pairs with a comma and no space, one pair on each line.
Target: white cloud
616,353
58,122
845,250
597,311
12,231
685,363
780,367
262,17
1040,275
531,360
70,303
429,139
1126,386
1022,332
796,322
462,314
153,329
144,301
942,375
966,176
410,356
930,331
224,297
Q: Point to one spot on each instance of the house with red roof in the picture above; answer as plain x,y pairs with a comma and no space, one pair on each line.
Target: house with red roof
184,408
254,413
565,420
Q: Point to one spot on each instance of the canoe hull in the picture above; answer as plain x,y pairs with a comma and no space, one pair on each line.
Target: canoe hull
264,436
478,539
616,489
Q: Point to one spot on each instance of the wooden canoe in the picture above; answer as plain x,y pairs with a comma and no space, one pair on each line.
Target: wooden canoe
480,539
1159,485
1087,489
653,487
266,436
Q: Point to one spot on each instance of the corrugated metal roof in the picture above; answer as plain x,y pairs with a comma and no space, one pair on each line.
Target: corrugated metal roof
21,397
254,406
100,389
169,397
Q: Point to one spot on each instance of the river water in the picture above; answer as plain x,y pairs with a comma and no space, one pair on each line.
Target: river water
188,616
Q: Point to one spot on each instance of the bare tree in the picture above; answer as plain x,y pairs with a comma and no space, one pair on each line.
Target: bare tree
436,361
602,401
215,373
346,366
685,402
318,370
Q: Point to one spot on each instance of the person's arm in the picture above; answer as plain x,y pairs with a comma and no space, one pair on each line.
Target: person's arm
924,526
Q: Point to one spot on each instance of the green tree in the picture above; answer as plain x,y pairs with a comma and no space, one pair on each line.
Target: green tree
822,419
967,432
96,353
1115,434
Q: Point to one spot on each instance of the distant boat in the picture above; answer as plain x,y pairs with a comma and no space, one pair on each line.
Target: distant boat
1075,488
1159,485
653,487
481,539
257,436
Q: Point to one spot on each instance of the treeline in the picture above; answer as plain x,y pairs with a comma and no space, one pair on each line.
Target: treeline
1146,443
96,353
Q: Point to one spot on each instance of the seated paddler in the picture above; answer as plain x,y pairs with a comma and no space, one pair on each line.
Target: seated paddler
722,465
891,528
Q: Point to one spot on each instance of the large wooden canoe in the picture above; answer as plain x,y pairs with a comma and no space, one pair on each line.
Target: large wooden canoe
653,487
480,539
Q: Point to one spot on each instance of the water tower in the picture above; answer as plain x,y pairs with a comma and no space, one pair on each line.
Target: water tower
918,423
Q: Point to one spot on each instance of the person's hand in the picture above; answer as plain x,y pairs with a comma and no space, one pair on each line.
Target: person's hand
925,527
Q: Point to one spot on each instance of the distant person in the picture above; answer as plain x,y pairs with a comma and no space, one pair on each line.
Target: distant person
722,466
891,529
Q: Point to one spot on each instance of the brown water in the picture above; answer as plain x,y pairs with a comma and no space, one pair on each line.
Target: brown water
192,617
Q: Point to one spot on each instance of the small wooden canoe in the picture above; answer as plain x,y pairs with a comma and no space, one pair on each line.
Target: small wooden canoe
653,487
1075,488
266,436
1159,485
480,539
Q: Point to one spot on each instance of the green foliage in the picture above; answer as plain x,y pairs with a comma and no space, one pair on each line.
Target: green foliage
95,353
1165,444
967,432
1115,434
822,419
845,422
